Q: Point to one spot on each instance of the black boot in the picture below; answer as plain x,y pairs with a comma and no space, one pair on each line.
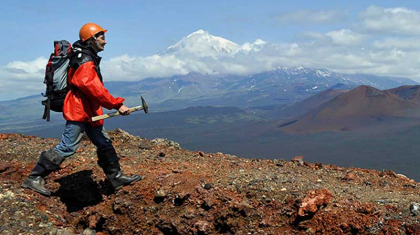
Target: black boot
35,183
34,180
48,162
108,161
117,177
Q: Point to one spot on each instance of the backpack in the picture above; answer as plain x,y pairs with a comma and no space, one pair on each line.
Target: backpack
56,78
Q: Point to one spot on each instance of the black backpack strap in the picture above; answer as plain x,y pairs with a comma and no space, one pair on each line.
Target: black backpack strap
80,56
47,109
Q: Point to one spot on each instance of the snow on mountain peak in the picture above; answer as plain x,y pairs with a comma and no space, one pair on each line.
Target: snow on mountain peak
201,43
198,32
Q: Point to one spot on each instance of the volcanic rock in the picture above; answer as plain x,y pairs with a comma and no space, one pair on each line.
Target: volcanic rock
313,201
186,194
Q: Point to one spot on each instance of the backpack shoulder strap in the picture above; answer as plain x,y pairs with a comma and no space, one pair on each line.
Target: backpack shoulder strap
47,104
78,57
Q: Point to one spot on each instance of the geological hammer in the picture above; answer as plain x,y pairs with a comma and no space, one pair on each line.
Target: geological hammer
143,107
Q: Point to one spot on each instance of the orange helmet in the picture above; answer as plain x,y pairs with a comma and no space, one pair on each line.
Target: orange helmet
90,29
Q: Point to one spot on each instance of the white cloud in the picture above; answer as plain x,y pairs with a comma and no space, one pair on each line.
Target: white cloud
128,68
312,17
20,78
250,58
26,70
400,43
346,37
255,46
398,21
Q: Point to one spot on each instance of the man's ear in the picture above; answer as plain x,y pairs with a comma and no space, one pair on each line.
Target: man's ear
91,42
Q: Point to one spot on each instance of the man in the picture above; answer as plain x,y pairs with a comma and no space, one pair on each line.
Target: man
85,99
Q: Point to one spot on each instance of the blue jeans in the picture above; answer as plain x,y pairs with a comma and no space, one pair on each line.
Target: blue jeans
72,136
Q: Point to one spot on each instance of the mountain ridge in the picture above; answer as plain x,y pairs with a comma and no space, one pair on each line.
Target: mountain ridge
364,105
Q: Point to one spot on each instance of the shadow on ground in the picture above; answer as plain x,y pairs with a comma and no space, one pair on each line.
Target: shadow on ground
79,190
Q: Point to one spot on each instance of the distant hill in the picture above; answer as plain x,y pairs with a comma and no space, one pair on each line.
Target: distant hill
362,107
301,107
410,93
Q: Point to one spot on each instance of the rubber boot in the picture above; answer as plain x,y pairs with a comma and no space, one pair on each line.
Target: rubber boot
34,180
117,178
48,162
108,161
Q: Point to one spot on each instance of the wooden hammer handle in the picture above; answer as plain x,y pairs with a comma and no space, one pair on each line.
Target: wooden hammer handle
108,115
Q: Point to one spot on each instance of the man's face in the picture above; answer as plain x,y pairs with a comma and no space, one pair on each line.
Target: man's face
100,42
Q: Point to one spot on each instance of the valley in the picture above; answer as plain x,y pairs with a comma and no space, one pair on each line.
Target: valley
260,116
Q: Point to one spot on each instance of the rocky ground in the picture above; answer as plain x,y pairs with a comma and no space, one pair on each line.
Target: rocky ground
187,192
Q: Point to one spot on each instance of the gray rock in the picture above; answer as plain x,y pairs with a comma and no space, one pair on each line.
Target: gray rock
414,209
208,186
62,231
160,193
89,231
166,142
3,228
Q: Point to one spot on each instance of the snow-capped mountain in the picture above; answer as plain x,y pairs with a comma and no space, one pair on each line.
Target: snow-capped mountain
202,44
323,78
277,87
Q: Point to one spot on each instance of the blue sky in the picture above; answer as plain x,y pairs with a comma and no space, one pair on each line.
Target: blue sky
358,36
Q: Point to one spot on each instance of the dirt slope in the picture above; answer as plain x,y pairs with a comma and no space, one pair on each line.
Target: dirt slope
188,192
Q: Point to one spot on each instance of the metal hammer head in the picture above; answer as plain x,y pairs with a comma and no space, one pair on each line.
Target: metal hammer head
144,104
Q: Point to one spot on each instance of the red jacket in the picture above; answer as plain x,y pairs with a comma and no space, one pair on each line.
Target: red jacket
87,95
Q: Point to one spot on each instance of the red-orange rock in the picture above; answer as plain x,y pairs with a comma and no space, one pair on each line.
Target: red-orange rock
202,226
313,200
298,160
4,167
349,176
318,165
92,221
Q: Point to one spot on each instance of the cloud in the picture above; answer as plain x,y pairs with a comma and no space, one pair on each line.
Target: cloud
397,21
26,70
22,78
249,58
128,68
399,43
255,46
312,17
346,37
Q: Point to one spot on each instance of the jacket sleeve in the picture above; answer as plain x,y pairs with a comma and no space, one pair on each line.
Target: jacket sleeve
87,81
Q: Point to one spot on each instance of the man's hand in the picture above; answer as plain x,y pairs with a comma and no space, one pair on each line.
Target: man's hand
124,110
